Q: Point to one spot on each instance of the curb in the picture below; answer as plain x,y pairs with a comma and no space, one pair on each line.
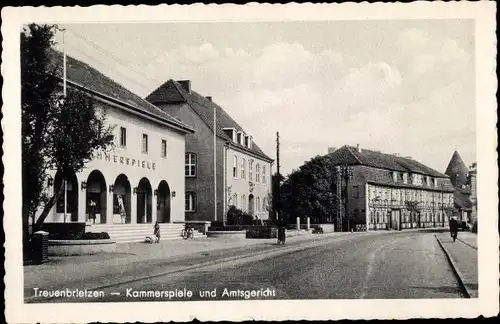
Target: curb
475,248
457,272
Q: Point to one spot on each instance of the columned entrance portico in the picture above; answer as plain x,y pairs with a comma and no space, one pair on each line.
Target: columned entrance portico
163,202
144,201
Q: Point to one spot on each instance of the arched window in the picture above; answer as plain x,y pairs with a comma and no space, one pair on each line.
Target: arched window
264,174
190,165
377,218
243,203
235,200
190,199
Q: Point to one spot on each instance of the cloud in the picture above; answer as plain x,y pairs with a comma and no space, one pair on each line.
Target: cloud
322,99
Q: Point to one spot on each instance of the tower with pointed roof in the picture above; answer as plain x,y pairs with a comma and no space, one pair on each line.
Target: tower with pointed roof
457,171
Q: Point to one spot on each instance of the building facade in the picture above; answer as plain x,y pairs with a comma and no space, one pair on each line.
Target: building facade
386,191
463,179
140,179
241,175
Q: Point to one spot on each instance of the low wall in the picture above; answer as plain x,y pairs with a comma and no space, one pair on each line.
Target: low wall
200,226
227,234
80,247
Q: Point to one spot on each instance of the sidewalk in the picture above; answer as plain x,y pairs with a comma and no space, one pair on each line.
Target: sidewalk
462,255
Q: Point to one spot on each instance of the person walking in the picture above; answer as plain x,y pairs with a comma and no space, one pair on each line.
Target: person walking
453,228
156,232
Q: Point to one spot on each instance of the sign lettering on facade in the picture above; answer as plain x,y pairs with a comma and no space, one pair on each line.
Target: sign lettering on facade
125,160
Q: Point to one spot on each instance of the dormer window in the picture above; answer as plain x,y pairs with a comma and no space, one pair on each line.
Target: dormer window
247,139
231,133
395,176
405,178
435,182
250,141
239,138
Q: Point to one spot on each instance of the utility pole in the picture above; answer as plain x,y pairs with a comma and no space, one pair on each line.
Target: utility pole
277,180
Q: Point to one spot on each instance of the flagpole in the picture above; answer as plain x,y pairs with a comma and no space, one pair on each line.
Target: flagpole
215,165
64,93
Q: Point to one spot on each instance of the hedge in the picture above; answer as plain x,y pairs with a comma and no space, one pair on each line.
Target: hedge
79,236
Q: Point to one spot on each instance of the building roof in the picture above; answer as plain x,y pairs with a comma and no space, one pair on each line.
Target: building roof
174,92
457,170
349,155
87,77
382,177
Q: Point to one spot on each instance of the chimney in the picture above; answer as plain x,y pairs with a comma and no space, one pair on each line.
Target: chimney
186,84
358,148
209,98
331,149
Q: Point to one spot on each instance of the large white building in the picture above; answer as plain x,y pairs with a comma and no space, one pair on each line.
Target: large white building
139,180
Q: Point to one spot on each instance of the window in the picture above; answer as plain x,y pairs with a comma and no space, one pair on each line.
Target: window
258,204
257,173
264,204
235,167
163,148
243,202
250,170
264,174
235,200
123,136
144,143
405,177
239,137
395,176
190,165
243,167
355,192
190,198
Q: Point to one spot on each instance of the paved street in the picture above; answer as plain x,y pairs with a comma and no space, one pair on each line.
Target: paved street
351,266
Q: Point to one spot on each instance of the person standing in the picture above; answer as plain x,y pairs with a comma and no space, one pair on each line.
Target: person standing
453,228
156,232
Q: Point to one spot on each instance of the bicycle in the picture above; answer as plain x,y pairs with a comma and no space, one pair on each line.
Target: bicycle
187,232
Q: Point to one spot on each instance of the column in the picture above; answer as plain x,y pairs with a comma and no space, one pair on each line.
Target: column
109,206
154,210
82,204
133,207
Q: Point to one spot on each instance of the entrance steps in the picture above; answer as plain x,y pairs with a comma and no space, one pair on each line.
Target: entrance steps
128,233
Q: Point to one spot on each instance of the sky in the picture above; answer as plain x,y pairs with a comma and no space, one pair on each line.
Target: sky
396,86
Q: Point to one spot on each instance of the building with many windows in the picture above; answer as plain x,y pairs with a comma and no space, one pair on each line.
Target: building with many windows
387,191
242,171
139,180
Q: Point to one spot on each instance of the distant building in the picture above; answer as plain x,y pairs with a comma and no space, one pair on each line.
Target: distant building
464,181
387,191
243,169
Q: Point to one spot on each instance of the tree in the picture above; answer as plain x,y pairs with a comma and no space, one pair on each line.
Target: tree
310,190
38,86
78,130
59,133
